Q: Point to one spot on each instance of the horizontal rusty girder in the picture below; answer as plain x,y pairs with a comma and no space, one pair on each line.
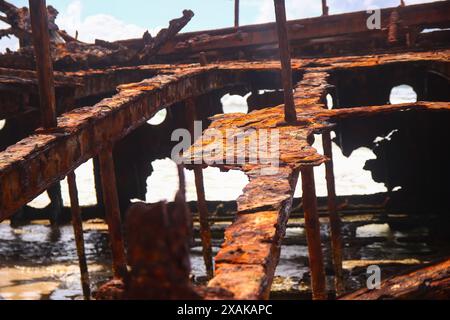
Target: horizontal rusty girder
17,85
32,165
88,83
246,262
430,15
100,82
429,282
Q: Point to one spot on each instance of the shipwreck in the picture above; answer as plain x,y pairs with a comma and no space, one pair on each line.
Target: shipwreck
64,102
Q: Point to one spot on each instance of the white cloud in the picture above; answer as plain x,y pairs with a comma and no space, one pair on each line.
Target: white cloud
11,43
107,27
341,6
296,9
98,26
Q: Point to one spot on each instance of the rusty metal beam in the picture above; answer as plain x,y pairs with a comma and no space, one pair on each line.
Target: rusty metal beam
314,36
429,15
77,224
290,114
335,221
176,25
99,82
112,209
246,263
44,64
250,252
430,282
236,13
325,8
205,230
86,83
83,132
312,228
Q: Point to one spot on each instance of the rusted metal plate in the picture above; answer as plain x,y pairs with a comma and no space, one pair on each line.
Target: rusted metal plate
244,281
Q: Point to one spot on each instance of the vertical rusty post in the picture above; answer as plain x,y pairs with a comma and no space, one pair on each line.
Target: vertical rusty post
56,204
203,59
236,13
44,66
335,221
393,27
312,227
325,8
78,231
98,186
112,210
46,83
290,114
205,231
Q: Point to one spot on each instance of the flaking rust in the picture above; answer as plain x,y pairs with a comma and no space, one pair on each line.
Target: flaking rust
251,249
127,72
81,132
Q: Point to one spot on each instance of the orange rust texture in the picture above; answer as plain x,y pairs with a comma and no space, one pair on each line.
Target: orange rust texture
246,263
430,283
252,244
33,164
331,35
343,28
81,132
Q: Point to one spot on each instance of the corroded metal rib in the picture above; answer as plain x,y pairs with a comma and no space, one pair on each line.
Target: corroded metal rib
33,164
246,263
331,28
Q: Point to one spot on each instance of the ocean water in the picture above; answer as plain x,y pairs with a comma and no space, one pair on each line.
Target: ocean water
36,264
350,176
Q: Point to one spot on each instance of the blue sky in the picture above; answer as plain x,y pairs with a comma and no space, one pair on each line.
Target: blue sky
118,19
209,13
